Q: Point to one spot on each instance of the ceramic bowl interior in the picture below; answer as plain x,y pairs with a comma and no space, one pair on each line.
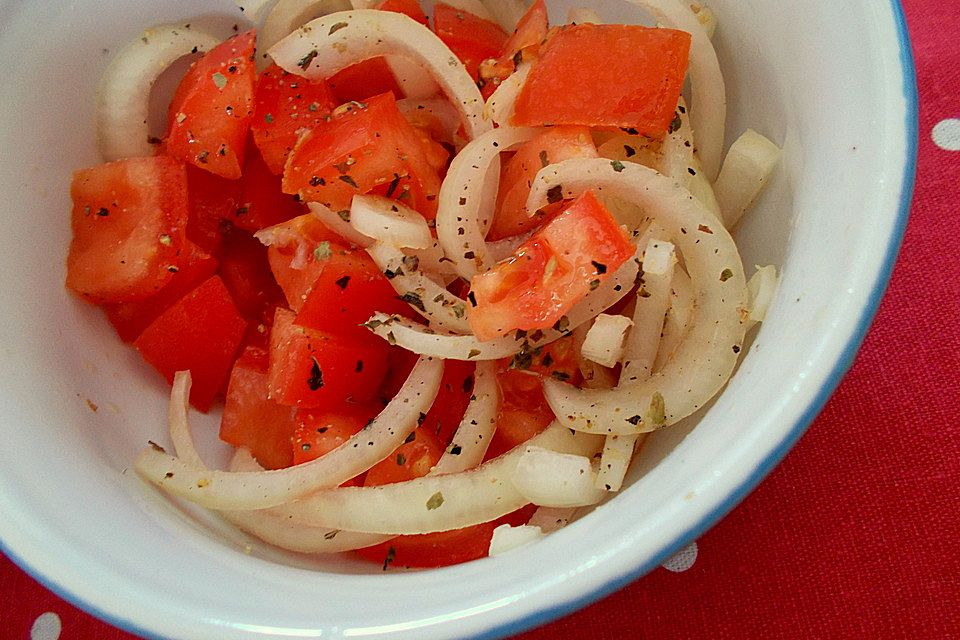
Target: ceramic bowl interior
831,82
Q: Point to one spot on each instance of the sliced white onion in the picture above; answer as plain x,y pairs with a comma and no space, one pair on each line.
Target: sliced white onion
678,317
679,160
123,96
705,359
746,170
659,257
389,222
604,341
706,17
434,502
706,81
630,148
253,9
414,79
470,443
499,107
329,44
289,15
438,108
336,223
443,309
420,339
760,288
615,460
550,519
507,538
498,250
240,491
594,375
552,479
467,198
582,15
507,13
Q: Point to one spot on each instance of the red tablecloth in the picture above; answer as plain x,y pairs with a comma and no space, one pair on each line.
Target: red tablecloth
856,534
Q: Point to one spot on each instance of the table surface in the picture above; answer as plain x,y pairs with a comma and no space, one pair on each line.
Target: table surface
855,534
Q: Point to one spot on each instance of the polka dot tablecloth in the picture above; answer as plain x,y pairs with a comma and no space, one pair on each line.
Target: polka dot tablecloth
857,533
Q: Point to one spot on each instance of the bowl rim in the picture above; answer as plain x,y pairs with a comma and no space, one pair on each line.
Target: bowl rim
844,361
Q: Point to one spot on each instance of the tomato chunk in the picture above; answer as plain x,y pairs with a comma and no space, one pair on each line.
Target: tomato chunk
553,145
201,332
246,273
251,420
606,76
563,261
470,37
311,369
363,80
363,146
526,40
413,459
261,202
131,318
212,200
411,8
128,220
447,411
321,431
286,104
212,109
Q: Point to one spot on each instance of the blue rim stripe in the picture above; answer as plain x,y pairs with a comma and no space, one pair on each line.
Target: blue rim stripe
847,357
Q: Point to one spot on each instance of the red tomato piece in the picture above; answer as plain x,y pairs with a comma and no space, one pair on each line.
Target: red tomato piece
321,431
201,332
245,271
447,411
363,146
411,8
251,420
363,80
471,38
212,200
348,290
445,548
606,76
286,105
563,261
262,202
212,109
551,146
129,219
315,369
130,318
526,40
413,459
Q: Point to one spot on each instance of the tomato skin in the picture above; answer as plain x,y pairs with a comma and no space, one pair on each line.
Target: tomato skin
285,104
251,420
315,369
211,111
129,222
410,8
412,459
131,318
212,201
363,80
560,264
470,37
578,81
246,273
553,145
201,332
444,548
261,202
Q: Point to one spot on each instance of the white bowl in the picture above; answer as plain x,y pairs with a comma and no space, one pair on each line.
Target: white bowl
831,81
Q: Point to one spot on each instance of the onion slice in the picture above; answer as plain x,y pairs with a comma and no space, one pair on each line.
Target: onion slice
507,538
746,170
472,439
337,224
288,15
434,502
553,479
500,105
329,44
224,490
604,341
389,222
123,97
506,13
761,287
705,359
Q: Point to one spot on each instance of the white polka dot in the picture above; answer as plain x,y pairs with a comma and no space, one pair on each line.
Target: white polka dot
46,627
946,134
683,560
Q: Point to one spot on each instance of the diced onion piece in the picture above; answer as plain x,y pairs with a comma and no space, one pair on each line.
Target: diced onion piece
659,257
506,13
551,479
582,15
500,105
469,444
123,96
760,289
289,15
550,519
336,223
434,502
705,360
615,460
420,339
706,81
240,491
748,165
604,340
389,222
329,44
594,375
677,321
507,538
468,195
443,309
